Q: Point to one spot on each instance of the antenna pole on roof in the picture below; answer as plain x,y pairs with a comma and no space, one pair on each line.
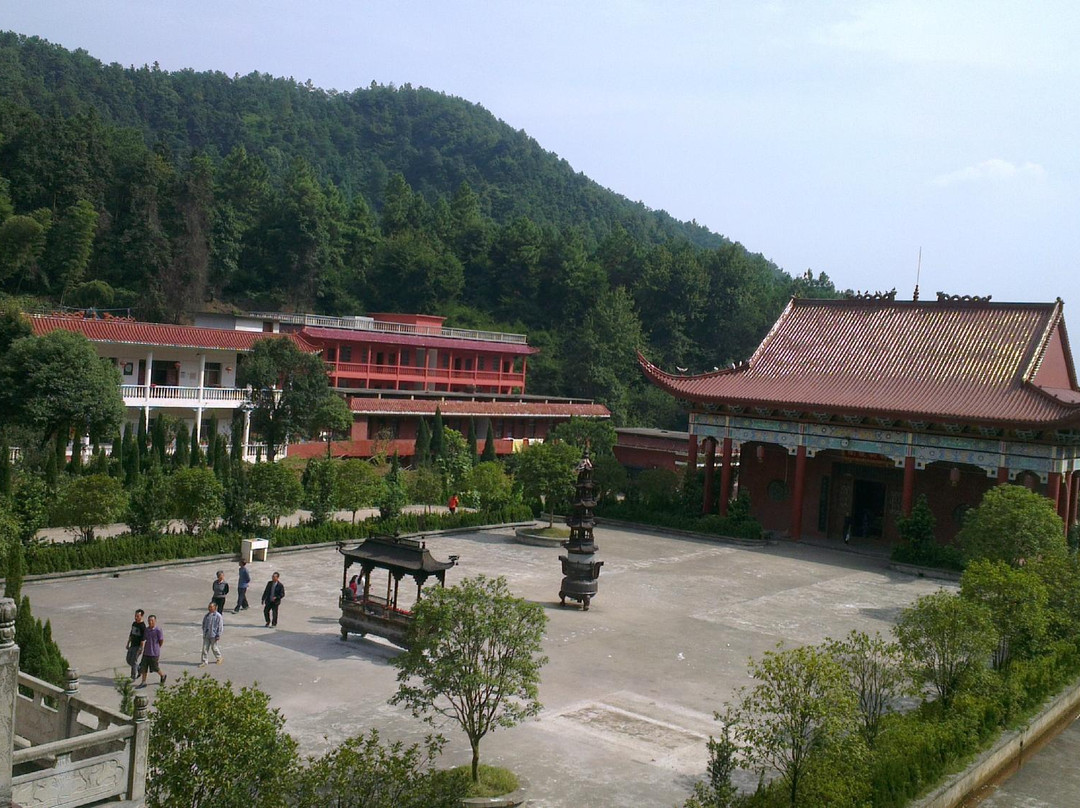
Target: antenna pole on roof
918,271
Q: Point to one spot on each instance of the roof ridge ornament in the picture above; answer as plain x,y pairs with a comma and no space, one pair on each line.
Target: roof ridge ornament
943,297
889,296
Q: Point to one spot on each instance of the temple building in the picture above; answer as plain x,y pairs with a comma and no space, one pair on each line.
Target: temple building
849,410
392,369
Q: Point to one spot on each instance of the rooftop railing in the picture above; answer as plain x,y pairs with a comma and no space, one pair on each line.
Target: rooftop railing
366,324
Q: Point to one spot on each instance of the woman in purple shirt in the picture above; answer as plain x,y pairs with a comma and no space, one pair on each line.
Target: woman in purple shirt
153,639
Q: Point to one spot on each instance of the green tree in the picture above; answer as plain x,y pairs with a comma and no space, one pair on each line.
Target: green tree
491,486
453,460
364,772
318,482
332,416
197,498
426,487
598,434
69,245
1016,600
1014,525
918,528
86,503
946,641
438,435
181,458
48,383
800,711
358,486
287,386
394,495
718,791
473,658
275,491
547,473
471,441
875,674
148,504
211,745
1061,578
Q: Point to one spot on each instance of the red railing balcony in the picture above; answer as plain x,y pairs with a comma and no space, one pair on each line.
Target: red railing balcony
369,372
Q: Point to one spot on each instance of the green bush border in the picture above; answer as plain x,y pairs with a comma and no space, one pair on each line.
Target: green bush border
128,549
711,524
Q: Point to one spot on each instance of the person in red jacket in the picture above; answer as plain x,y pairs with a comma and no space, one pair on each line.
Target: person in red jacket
452,504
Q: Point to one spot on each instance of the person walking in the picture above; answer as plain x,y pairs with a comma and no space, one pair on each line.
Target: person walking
452,503
221,589
212,624
153,640
271,599
135,643
243,581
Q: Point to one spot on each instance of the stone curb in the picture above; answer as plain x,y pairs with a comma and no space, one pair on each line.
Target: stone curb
925,572
110,572
1008,750
523,535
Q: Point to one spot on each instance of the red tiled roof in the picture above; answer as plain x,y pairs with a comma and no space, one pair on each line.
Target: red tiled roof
316,334
949,360
131,332
362,405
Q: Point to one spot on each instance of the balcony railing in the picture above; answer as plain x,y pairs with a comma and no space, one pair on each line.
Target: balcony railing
159,394
61,762
365,324
412,374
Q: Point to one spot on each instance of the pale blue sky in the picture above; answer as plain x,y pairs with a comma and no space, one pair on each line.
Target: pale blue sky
839,136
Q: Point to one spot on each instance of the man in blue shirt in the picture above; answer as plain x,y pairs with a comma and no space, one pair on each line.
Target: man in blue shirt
242,584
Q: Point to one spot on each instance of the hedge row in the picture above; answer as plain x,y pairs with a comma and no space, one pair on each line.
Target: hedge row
712,524
130,549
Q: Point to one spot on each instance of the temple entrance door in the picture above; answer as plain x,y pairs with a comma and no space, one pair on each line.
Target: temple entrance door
868,509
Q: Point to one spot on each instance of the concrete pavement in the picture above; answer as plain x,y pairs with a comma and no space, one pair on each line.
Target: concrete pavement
630,688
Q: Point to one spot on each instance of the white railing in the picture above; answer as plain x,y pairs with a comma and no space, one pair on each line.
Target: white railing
364,324
256,452
143,393
60,760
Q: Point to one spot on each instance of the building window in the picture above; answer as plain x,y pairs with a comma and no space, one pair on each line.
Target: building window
468,364
331,354
379,358
345,353
212,375
444,361
405,358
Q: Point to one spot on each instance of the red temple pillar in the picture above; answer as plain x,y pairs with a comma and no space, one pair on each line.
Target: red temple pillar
1003,475
691,452
907,499
1063,497
710,470
1074,486
1053,488
797,496
725,476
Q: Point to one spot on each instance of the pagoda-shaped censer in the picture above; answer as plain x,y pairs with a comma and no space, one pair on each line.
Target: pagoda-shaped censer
579,566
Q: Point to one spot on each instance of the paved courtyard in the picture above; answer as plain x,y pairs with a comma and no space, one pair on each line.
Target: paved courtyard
630,688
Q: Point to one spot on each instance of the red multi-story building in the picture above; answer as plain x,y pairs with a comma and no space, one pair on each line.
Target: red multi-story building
393,369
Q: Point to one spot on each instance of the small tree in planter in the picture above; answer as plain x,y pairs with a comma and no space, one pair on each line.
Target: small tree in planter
473,658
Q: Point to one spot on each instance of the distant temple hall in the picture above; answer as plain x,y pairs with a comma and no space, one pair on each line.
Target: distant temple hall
851,409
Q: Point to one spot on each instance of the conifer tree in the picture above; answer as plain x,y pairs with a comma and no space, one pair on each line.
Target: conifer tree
438,440
472,442
489,447
196,457
158,439
183,447
13,571
140,441
422,452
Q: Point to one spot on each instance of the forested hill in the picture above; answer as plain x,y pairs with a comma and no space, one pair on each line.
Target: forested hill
355,139
172,192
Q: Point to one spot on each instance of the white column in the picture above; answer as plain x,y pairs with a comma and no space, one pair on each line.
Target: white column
199,408
247,431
